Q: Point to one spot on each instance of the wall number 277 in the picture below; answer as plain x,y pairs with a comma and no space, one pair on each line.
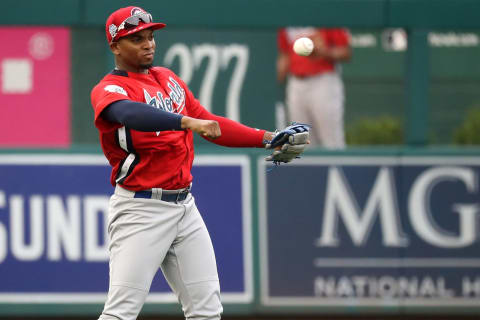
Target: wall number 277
219,57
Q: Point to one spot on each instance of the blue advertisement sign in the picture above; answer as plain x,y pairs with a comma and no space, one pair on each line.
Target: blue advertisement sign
53,220
371,231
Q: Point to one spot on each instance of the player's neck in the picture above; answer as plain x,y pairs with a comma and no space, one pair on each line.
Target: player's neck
124,67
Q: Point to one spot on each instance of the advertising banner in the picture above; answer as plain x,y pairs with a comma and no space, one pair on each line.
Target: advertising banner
53,221
370,231
35,87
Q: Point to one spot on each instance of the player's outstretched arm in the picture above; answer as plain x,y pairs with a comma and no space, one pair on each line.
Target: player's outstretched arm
142,117
206,128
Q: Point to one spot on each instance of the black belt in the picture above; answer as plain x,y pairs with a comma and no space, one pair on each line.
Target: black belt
169,197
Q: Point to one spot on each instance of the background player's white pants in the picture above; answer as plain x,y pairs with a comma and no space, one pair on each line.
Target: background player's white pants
148,234
318,101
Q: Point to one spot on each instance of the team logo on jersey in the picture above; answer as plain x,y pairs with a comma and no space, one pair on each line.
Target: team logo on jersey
115,89
174,102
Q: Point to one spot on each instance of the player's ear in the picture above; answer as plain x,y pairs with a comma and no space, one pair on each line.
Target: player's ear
114,48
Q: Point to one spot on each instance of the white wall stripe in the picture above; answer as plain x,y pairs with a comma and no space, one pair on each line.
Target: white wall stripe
396,262
48,159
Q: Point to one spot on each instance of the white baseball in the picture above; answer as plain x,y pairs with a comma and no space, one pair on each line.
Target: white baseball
303,46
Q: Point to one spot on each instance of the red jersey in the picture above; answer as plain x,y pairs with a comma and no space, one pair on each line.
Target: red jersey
144,160
307,66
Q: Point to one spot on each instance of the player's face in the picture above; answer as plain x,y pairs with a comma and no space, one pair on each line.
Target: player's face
135,52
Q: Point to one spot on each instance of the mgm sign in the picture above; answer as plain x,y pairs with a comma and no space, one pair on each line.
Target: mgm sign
372,231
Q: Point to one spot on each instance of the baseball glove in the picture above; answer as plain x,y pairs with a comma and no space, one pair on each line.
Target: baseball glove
288,143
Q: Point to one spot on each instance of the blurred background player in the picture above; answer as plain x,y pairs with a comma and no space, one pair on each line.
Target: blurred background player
314,90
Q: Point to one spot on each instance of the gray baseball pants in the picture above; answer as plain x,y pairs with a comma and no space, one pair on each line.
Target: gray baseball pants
148,234
318,101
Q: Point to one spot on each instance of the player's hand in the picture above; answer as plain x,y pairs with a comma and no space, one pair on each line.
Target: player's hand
206,128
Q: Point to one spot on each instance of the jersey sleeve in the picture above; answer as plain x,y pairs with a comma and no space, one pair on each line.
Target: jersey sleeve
340,37
103,95
282,41
234,134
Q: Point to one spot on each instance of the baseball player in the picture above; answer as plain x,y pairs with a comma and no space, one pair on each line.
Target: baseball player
146,117
314,89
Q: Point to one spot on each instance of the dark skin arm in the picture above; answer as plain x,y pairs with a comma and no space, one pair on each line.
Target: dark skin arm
283,62
207,128
335,54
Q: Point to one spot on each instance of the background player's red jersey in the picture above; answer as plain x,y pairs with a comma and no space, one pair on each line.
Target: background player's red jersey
307,66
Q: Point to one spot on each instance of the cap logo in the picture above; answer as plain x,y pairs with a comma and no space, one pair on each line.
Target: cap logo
113,30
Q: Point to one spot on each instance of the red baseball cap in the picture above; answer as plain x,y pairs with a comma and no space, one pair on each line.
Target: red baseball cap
129,20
